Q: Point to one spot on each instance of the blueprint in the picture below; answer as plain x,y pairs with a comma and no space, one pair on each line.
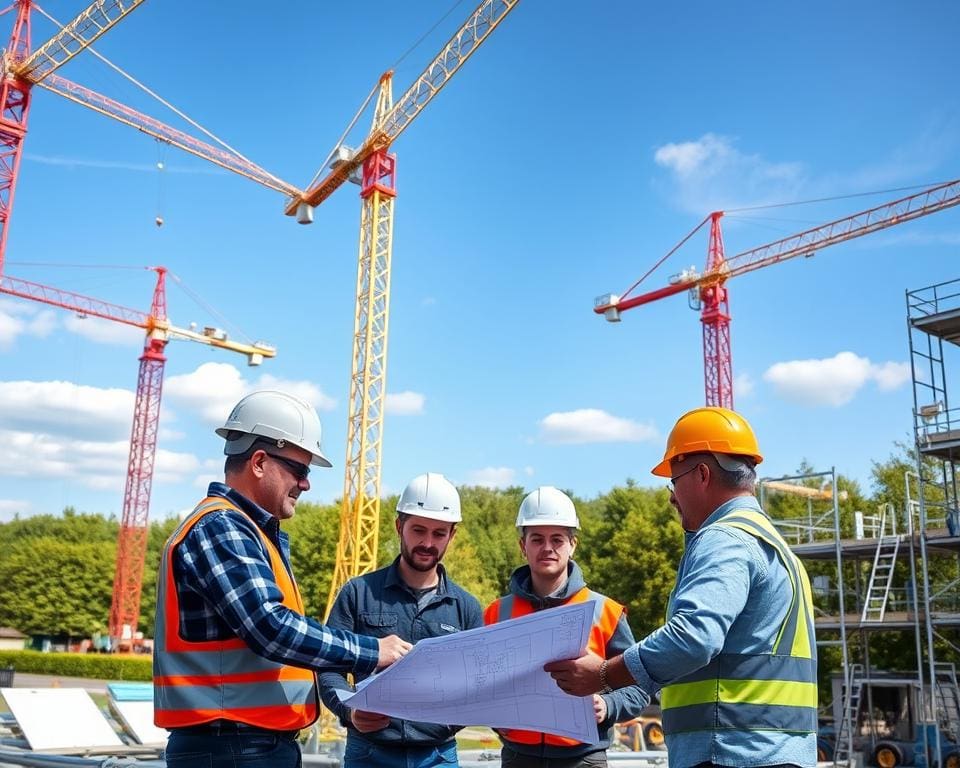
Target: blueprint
490,676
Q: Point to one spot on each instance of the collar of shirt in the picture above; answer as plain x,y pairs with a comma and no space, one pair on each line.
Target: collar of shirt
394,579
738,502
264,520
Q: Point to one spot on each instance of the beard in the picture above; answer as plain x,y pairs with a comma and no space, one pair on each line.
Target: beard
409,557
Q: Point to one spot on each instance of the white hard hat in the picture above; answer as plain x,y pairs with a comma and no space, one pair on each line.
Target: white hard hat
547,506
276,417
433,496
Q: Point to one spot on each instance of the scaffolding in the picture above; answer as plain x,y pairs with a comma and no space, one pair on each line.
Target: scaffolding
892,570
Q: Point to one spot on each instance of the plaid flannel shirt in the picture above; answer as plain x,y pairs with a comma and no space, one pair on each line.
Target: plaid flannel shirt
226,589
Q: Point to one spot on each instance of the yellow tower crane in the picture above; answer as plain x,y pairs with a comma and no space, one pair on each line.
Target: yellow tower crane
360,511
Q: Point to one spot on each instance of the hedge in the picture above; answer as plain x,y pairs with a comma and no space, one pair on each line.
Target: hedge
93,665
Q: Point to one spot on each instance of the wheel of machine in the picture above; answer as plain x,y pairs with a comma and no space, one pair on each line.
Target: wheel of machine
887,755
653,734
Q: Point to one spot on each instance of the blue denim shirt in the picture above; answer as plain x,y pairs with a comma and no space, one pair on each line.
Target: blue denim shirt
732,594
381,604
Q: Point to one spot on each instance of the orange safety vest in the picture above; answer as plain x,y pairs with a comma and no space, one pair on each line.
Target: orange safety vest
198,682
606,616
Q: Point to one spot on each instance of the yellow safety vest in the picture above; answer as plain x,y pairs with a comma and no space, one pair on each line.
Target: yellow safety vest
774,691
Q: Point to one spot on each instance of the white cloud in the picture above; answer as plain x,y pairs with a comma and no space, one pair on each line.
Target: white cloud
891,375
743,385
528,471
834,380
214,388
405,403
711,173
202,481
99,465
65,408
20,317
491,477
10,508
592,425
104,331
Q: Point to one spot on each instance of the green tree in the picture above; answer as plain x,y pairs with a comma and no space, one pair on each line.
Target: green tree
49,586
314,532
630,552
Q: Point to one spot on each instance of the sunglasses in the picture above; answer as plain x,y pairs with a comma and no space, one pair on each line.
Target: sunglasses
297,469
673,480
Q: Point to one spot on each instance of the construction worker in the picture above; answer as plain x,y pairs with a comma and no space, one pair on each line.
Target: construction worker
736,662
547,522
235,657
414,598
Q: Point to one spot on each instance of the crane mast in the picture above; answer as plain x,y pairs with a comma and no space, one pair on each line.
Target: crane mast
134,528
713,297
132,538
360,508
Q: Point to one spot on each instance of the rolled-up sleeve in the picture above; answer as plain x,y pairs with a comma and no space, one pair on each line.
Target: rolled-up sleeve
710,595
224,560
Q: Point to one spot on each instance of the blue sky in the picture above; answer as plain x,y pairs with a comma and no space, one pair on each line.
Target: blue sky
571,152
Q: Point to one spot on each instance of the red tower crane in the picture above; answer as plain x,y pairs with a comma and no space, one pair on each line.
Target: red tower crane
23,69
709,292
132,540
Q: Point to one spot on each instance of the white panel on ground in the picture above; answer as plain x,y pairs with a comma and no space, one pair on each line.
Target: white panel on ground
59,718
137,718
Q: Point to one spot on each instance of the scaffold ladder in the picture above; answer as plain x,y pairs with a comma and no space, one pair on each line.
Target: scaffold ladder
881,577
851,711
948,699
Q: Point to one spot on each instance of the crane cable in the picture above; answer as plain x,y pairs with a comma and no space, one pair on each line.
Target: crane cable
343,136
773,205
207,307
373,90
670,253
168,105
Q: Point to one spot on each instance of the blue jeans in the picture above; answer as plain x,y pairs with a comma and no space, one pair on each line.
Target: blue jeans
189,749
361,753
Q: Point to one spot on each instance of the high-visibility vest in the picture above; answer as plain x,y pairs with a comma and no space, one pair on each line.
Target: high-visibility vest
606,616
773,691
198,682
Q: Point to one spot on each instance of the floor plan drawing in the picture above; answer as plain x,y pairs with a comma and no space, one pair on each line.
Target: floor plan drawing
490,676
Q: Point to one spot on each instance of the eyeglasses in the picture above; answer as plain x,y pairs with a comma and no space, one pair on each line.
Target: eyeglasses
297,469
673,480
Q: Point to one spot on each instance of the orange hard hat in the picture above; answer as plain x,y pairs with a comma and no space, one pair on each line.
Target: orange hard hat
709,430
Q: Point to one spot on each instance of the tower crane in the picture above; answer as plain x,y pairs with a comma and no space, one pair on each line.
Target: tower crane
708,289
132,540
23,69
360,511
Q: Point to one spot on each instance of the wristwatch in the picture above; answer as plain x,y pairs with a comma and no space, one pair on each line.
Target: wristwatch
604,685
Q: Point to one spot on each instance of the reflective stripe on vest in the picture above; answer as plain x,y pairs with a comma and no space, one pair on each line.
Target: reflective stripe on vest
606,616
749,692
197,682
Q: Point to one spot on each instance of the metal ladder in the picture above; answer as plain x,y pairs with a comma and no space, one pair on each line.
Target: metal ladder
881,577
948,699
851,712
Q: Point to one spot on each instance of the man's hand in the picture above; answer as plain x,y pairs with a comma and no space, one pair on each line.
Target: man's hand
391,649
599,708
578,677
367,722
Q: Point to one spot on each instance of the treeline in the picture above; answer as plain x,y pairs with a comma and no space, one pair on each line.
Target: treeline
56,572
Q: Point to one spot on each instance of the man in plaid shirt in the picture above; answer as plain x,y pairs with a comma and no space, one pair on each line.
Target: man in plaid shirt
235,656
